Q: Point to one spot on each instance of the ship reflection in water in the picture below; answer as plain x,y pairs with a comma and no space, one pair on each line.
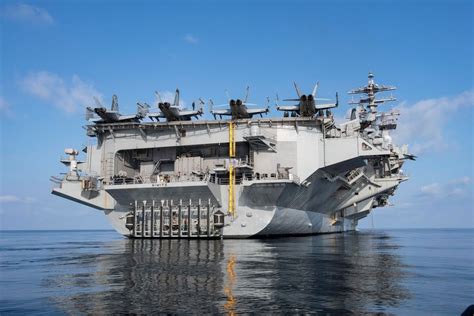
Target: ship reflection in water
352,272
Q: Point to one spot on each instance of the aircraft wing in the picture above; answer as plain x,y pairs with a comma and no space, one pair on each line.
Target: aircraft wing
288,108
222,112
156,115
127,117
328,105
188,113
96,120
257,111
325,106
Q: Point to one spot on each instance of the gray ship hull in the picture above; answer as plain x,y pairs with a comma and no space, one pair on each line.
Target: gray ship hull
262,223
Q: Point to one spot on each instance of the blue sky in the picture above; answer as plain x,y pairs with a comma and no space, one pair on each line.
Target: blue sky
56,54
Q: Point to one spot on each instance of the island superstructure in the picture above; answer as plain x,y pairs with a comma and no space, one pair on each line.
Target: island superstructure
242,177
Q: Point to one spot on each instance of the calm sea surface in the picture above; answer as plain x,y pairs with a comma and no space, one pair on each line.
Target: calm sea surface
412,272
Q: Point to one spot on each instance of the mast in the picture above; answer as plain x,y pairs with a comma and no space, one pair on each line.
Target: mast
370,102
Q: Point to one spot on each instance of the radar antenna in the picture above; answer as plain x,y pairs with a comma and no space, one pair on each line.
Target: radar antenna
371,89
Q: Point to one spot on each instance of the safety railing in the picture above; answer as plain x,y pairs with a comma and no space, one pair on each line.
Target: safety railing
260,133
212,178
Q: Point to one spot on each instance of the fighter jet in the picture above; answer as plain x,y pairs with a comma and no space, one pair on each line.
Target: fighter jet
238,109
112,115
307,106
173,112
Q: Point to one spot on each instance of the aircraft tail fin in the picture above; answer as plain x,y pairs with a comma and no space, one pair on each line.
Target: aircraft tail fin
97,103
160,100
277,100
247,90
115,106
201,108
315,90
298,91
142,109
176,98
211,106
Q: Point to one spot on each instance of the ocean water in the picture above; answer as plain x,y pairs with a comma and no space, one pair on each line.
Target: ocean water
406,272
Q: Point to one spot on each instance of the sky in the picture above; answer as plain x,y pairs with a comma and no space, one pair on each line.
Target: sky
56,55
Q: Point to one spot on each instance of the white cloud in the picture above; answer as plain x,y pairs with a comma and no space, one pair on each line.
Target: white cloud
455,187
431,189
463,181
191,39
14,198
67,96
26,13
5,107
3,104
422,124
9,198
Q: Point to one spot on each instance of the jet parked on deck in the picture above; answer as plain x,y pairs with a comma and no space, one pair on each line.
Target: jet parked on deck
112,115
238,109
173,112
307,106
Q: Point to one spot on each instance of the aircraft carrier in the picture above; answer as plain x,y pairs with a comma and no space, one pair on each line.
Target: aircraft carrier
160,173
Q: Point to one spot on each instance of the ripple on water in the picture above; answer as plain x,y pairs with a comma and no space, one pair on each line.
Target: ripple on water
353,273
